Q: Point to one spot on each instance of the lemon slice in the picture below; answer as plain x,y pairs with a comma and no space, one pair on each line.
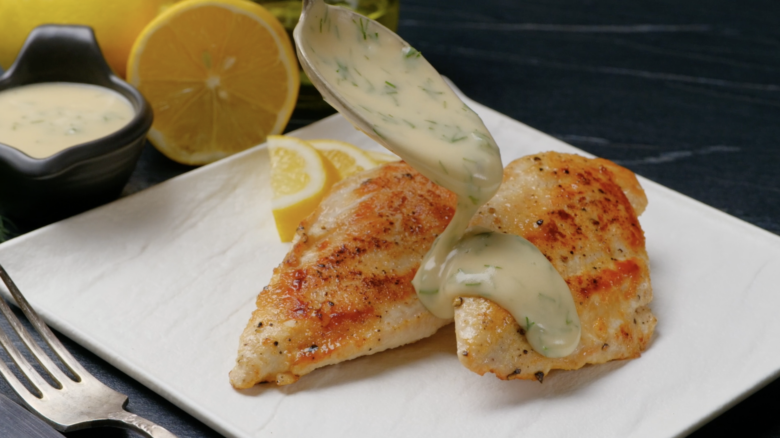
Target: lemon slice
382,157
347,158
221,75
300,177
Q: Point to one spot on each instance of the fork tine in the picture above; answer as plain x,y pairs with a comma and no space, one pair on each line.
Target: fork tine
42,358
12,380
24,366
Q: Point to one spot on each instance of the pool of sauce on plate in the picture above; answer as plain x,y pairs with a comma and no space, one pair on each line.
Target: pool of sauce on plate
415,113
43,119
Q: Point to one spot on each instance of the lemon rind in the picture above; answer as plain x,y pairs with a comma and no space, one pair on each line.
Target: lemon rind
361,158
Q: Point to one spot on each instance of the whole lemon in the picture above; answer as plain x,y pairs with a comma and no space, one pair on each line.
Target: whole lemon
116,23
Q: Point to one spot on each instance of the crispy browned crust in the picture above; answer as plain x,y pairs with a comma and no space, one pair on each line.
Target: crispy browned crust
627,181
344,290
577,212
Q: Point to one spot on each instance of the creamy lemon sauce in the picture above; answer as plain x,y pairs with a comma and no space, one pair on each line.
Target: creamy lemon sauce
43,119
416,114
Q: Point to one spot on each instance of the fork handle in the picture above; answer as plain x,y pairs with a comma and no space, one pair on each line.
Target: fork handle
139,424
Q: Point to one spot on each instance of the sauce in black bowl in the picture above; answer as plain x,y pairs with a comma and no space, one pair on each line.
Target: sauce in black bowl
37,191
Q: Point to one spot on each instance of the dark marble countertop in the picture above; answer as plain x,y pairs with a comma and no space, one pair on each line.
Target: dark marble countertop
686,94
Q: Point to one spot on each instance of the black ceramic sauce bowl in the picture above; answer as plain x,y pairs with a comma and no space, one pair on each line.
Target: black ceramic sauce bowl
36,191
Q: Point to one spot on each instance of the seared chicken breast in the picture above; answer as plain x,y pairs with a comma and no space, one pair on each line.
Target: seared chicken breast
582,214
345,291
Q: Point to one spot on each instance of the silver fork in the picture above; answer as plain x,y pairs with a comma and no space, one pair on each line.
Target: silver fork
71,404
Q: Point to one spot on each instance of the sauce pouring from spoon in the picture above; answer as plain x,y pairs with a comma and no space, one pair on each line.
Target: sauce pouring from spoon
386,89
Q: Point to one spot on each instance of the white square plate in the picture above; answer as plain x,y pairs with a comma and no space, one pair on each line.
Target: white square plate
161,284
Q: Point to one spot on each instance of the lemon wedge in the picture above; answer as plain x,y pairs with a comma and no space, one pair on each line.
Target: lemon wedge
221,75
300,177
382,157
347,158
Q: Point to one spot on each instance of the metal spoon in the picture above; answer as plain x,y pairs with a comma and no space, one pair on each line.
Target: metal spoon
329,93
386,89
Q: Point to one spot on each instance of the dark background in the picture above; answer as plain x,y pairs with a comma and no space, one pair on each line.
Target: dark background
686,94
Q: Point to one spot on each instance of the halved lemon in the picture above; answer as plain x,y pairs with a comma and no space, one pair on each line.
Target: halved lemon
221,75
383,157
347,158
300,177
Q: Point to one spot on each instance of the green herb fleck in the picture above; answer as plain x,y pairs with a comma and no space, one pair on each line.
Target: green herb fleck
443,168
362,27
388,118
343,71
474,200
371,87
473,284
410,52
487,147
390,90
431,93
411,125
493,266
528,324
206,59
455,138
378,134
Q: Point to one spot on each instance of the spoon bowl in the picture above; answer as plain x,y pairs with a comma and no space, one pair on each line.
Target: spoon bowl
306,57
387,89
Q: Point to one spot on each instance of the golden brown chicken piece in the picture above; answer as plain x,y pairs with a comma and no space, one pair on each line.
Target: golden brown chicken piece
582,214
345,290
